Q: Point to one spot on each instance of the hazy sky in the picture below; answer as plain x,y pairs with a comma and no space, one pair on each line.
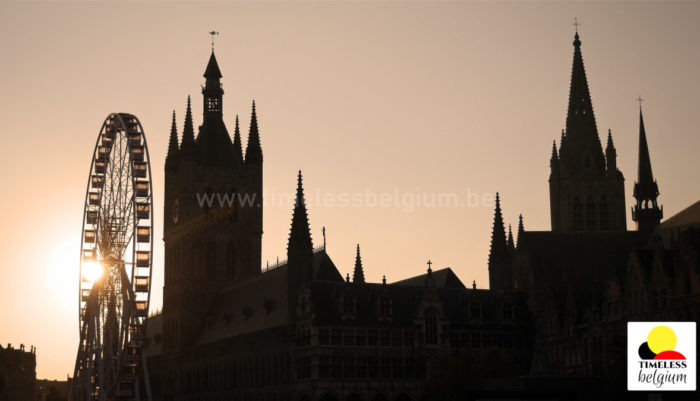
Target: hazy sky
415,98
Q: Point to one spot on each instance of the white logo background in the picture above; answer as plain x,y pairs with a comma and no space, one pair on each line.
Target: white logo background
637,333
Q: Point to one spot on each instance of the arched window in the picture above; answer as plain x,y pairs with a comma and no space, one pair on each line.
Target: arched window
590,213
431,327
578,214
604,214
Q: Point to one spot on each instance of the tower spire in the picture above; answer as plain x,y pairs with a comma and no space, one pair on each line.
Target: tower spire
521,228
173,147
610,154
646,212
510,243
237,146
188,146
253,151
581,129
499,273
300,247
554,160
358,276
300,219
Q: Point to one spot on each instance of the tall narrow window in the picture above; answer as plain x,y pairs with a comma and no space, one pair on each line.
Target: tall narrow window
430,327
578,214
590,213
604,214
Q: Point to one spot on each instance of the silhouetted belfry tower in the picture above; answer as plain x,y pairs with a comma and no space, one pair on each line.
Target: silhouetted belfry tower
646,212
500,255
212,214
585,187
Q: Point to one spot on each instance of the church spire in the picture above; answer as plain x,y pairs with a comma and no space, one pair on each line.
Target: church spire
499,276
611,154
554,160
521,228
253,151
358,276
300,247
188,146
237,146
511,244
581,145
300,232
646,212
173,147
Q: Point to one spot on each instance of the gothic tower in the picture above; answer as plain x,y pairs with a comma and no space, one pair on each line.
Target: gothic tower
212,213
585,187
646,212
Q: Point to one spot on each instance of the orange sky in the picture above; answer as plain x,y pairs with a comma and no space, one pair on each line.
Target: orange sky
413,97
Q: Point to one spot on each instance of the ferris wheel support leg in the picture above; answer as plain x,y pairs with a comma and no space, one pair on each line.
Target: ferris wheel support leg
146,378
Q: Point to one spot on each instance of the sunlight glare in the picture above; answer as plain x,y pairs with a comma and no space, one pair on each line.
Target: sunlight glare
92,271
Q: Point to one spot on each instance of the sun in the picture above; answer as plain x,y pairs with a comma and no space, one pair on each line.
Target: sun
92,271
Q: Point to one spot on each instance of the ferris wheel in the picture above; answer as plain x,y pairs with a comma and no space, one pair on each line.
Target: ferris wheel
115,266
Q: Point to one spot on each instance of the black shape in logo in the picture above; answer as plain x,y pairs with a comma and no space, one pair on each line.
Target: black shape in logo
645,352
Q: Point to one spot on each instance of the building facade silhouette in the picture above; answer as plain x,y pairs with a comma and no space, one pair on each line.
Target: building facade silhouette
556,309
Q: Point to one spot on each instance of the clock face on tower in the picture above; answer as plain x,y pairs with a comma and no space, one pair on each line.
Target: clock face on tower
176,211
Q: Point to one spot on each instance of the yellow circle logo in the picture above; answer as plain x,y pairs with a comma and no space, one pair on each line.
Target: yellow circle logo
661,338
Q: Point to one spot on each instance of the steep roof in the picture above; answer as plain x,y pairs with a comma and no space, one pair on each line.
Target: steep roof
686,217
443,278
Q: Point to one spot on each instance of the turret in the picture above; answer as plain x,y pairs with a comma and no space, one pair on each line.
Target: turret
212,91
646,213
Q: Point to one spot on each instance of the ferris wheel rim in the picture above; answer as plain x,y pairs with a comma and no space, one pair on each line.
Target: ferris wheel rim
129,235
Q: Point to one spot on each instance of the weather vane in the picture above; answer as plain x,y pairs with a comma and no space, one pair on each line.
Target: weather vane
640,100
576,23
212,33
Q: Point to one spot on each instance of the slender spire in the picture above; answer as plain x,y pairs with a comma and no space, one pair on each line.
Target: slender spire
253,151
521,228
188,145
498,254
645,177
511,244
173,147
611,154
554,160
646,212
237,146
358,276
300,234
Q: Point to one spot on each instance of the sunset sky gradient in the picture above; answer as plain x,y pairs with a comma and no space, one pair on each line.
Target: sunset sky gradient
414,97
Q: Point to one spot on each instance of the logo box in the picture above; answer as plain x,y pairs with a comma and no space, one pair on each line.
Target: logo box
661,356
